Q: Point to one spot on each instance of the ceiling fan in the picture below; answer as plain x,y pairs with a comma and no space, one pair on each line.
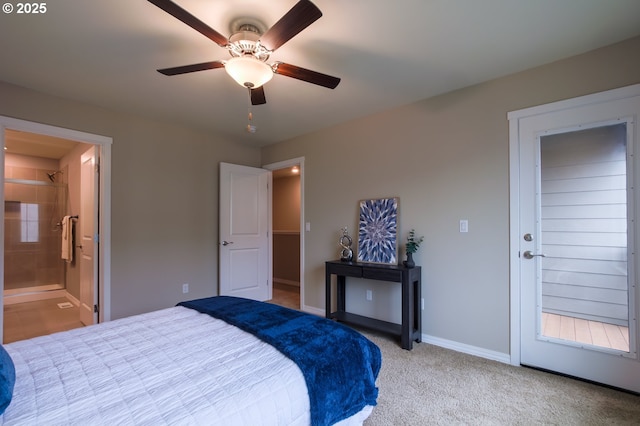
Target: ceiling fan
250,48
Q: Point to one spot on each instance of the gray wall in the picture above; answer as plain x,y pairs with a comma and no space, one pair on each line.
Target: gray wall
446,158
164,198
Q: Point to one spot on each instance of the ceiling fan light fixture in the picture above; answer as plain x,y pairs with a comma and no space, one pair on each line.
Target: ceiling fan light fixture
248,71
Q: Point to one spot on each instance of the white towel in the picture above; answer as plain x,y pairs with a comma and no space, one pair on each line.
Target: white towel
67,239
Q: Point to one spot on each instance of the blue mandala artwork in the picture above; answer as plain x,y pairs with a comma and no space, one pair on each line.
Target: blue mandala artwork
377,235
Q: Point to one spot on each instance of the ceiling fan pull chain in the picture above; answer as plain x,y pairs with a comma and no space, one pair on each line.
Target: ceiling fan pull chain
250,127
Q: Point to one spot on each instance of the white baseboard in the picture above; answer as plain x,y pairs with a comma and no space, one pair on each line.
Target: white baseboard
286,282
444,343
73,300
32,297
467,349
313,310
39,295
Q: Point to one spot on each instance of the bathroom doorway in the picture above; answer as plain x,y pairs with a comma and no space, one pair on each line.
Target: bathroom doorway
41,205
41,192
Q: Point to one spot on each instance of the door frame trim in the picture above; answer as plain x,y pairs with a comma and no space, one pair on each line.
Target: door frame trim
299,161
104,142
514,194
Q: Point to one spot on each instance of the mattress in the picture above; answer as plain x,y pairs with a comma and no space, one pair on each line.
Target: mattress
174,366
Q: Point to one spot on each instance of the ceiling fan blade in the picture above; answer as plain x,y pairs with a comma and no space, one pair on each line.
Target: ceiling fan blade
257,96
184,16
303,14
306,75
192,68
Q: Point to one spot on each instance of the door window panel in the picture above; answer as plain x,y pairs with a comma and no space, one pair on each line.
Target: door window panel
583,222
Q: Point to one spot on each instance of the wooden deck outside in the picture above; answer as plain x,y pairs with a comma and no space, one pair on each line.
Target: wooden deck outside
585,331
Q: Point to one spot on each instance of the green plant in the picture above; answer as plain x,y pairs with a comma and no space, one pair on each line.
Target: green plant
413,243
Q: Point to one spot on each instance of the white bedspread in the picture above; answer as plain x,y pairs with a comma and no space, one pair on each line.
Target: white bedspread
174,366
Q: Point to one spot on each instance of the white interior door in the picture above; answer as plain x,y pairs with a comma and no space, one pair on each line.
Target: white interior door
87,236
245,241
576,237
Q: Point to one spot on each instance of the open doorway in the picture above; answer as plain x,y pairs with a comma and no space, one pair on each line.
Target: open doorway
40,287
287,239
41,191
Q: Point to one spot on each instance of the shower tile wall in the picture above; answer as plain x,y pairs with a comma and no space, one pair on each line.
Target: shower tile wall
31,264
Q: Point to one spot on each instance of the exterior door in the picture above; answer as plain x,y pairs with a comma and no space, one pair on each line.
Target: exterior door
87,236
575,237
245,255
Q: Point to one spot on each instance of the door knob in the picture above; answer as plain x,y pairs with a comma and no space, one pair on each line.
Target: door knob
226,243
530,255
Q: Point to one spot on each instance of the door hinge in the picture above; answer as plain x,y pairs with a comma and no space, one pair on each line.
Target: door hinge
96,238
96,309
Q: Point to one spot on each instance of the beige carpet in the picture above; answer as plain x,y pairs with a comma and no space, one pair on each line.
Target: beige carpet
434,386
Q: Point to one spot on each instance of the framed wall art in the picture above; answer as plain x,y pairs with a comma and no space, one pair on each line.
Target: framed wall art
378,231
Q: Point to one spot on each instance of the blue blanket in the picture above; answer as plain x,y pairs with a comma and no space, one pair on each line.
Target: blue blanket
339,364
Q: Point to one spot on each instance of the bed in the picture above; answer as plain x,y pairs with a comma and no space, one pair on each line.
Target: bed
214,361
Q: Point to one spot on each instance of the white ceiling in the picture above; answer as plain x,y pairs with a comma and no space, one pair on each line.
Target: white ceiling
388,53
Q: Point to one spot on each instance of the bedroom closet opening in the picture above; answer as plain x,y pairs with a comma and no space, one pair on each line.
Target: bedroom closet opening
41,207
286,236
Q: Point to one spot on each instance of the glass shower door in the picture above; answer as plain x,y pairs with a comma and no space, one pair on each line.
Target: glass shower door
33,212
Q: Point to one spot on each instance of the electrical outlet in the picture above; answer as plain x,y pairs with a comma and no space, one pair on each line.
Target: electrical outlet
185,288
369,295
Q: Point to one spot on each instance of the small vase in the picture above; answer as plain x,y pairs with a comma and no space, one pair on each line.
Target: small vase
409,263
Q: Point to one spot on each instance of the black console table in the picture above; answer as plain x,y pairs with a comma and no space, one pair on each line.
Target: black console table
409,278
